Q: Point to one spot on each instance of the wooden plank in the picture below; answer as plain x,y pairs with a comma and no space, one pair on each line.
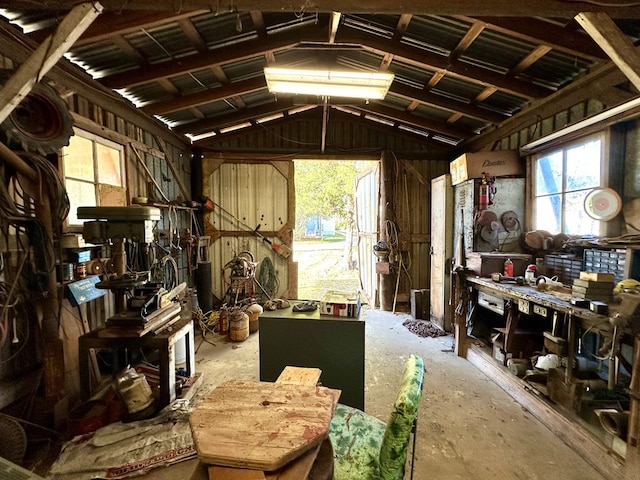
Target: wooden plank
615,43
299,376
261,425
227,473
46,56
296,469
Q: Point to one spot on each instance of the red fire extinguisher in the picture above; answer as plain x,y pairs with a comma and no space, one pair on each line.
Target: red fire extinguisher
483,202
487,192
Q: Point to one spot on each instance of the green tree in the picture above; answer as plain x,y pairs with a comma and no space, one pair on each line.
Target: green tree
326,189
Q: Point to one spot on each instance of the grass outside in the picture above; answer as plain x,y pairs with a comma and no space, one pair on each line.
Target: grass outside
324,266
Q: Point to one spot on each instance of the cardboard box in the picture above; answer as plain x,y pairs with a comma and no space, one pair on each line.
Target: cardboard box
500,163
340,304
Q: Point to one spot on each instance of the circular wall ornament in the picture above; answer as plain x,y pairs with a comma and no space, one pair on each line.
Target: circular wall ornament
602,204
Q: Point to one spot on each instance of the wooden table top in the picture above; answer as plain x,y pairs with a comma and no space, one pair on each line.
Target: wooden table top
261,425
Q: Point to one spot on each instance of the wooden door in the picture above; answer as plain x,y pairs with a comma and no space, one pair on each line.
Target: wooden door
441,250
367,195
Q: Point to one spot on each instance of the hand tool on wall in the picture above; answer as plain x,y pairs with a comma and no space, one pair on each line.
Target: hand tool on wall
281,249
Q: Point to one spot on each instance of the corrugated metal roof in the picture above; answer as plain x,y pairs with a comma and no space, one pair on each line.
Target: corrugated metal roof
462,74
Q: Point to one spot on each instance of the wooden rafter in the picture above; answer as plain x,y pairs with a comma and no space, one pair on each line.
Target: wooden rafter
415,120
615,43
315,115
584,88
435,62
562,38
543,8
46,56
428,98
235,118
472,34
212,95
121,23
401,27
198,61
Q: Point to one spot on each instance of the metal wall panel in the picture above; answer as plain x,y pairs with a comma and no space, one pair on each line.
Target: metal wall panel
256,195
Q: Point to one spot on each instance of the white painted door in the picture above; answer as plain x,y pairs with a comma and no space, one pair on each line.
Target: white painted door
441,250
367,195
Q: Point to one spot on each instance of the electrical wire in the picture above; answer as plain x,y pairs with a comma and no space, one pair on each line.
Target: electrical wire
208,322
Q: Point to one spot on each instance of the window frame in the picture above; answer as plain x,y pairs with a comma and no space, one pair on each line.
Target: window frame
547,150
95,141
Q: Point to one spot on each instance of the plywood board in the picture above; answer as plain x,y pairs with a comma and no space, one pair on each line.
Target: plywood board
300,376
261,425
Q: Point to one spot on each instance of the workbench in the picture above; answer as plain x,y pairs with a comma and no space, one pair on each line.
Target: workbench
529,300
556,413
307,339
164,342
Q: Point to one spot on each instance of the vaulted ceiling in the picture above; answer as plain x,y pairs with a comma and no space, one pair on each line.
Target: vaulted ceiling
461,68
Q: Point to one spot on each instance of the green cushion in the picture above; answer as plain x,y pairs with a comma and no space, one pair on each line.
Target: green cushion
356,438
367,449
393,451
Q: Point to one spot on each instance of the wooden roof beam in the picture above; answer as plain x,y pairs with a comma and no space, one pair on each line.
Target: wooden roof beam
201,61
412,120
229,90
46,56
542,8
428,98
615,43
235,118
432,61
122,23
538,31
401,27
603,79
314,115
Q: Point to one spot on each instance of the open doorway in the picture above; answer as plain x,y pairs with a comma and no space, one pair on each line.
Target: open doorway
326,235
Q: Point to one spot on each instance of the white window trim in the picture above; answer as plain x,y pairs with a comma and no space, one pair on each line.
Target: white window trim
95,139
605,148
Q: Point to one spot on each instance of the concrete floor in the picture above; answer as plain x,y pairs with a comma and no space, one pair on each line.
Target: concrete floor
468,428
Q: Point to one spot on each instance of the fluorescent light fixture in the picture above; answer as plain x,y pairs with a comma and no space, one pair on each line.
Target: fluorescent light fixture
329,83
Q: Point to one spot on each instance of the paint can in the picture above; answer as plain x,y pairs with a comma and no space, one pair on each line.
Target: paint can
136,393
81,270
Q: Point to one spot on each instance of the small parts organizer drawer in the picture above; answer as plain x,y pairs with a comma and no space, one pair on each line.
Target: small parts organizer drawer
491,302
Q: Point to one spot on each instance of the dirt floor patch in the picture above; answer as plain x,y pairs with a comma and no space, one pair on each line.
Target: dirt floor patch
423,328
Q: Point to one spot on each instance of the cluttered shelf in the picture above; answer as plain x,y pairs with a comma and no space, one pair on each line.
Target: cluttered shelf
574,354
